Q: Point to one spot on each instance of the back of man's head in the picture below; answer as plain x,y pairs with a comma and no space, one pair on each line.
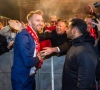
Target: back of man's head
79,24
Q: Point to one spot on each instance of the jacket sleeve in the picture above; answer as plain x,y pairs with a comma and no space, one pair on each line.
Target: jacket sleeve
64,47
22,42
86,70
44,36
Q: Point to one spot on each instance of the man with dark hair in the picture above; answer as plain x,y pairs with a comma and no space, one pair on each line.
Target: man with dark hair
81,60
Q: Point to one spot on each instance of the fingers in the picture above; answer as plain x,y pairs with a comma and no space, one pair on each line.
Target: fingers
12,22
47,31
45,48
90,8
98,20
15,24
45,51
43,54
95,23
39,56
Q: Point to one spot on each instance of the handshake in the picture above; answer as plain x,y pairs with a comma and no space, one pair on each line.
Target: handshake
47,51
43,54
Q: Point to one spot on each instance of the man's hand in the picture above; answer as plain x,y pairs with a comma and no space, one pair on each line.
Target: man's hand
39,56
15,24
10,44
97,24
48,50
47,31
90,8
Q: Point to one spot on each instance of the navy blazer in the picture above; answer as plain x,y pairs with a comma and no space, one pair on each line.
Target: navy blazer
24,47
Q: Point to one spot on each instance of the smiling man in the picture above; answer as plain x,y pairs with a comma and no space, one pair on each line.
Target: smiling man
26,53
58,37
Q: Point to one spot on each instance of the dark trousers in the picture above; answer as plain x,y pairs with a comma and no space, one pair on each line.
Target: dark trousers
29,84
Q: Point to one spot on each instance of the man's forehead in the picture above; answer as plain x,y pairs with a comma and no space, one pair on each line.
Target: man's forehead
61,22
37,17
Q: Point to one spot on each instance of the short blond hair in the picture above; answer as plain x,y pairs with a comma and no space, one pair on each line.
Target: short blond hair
34,12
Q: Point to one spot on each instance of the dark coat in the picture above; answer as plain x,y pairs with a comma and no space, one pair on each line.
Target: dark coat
3,45
80,65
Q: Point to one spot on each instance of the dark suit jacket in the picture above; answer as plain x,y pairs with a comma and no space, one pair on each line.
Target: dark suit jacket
24,47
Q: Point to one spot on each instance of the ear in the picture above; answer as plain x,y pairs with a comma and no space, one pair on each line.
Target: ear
29,22
66,28
74,31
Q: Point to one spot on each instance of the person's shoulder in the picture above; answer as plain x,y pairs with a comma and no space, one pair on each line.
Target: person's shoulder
85,48
23,31
79,48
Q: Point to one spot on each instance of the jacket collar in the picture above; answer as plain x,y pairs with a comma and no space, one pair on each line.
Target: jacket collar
84,38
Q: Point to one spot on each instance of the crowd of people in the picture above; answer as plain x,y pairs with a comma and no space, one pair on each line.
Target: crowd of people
79,39
7,36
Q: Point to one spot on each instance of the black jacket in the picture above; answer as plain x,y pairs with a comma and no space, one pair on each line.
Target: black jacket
3,45
80,65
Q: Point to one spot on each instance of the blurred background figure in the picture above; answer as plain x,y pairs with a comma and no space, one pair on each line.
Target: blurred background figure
48,27
1,26
77,16
53,21
92,29
10,34
45,43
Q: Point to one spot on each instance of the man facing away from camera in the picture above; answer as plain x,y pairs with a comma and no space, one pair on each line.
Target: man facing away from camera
81,60
26,53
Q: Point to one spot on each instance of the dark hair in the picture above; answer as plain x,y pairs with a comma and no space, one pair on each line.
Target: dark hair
80,24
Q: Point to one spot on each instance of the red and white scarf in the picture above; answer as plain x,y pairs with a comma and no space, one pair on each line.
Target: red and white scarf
36,39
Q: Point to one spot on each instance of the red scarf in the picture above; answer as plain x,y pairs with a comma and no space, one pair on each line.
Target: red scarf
93,33
35,37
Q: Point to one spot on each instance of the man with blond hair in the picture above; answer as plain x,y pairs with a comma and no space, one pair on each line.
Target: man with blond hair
26,53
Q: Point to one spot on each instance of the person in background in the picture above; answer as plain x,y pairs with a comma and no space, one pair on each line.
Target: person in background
58,37
26,52
10,35
1,26
92,29
44,43
98,66
53,21
77,16
47,27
